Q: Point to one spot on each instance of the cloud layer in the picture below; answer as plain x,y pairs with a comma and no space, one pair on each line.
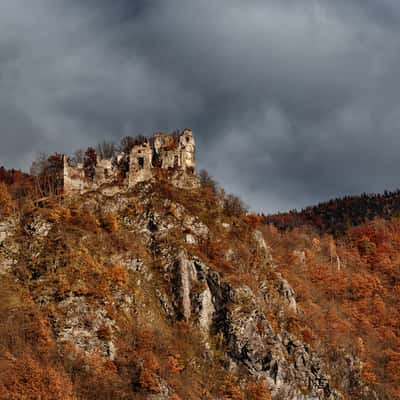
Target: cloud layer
293,102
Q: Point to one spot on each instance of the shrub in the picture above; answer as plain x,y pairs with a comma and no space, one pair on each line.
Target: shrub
109,222
117,275
89,163
6,201
257,391
207,182
148,378
233,206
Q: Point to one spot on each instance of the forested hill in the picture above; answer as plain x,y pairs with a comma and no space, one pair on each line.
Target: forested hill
336,215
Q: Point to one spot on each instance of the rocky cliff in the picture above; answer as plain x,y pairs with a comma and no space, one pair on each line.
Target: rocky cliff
153,293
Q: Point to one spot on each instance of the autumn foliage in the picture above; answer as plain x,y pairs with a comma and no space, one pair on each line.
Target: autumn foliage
6,201
20,186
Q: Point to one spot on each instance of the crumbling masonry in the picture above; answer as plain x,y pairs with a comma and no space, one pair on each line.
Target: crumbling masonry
172,153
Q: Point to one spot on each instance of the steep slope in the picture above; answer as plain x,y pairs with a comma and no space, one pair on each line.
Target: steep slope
153,293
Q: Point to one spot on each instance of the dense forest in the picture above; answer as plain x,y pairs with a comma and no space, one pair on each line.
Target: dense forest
337,215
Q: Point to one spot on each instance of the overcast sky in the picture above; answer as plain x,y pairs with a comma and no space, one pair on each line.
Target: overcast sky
292,101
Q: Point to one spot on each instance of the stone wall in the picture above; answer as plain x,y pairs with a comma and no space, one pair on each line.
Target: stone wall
104,172
74,177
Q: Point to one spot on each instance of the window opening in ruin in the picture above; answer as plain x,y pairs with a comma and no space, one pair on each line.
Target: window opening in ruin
141,162
106,172
176,161
187,139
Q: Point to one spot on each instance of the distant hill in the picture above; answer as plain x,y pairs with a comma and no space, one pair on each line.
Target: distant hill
337,215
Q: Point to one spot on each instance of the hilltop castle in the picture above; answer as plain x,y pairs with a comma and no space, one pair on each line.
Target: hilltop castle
172,155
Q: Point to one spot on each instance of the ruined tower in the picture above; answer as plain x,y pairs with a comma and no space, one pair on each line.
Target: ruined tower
74,177
187,149
166,150
175,151
140,163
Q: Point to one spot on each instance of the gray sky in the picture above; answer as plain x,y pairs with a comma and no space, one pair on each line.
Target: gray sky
292,101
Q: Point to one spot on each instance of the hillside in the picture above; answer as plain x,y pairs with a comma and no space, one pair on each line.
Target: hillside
161,292
348,290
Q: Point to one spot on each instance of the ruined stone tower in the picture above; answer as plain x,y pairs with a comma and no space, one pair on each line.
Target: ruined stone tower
187,151
174,153
74,177
140,163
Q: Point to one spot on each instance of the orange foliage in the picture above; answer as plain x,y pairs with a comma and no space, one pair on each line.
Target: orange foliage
28,378
174,396
149,379
257,391
21,186
6,201
308,335
117,275
109,222
174,365
231,390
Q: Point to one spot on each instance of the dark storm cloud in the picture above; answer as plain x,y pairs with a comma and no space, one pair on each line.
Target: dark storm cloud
292,102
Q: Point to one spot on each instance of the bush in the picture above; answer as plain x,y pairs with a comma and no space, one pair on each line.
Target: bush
207,182
149,379
89,163
109,222
6,202
257,391
233,206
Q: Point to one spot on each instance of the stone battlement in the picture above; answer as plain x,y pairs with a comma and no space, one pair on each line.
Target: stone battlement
174,153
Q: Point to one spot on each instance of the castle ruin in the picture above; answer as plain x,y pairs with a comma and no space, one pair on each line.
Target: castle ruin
172,154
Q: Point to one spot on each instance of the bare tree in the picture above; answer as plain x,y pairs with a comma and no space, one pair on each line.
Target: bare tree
207,181
90,163
105,150
128,142
79,156
233,206
48,173
39,164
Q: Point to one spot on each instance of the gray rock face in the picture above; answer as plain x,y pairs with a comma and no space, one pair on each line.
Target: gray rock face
288,294
193,297
288,365
185,277
4,231
263,249
87,326
8,249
